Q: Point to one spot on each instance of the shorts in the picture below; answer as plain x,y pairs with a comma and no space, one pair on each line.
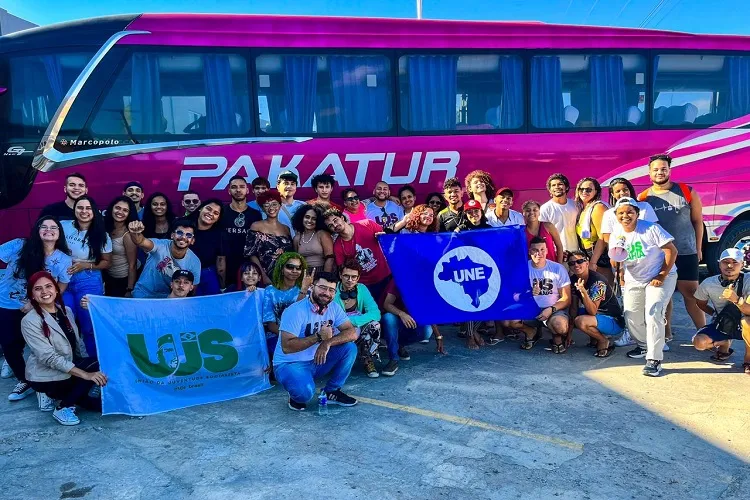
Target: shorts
536,323
687,267
711,332
608,326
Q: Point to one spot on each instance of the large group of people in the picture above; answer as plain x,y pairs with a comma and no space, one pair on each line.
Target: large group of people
605,267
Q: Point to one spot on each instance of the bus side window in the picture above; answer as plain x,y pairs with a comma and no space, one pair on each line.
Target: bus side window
324,94
461,92
160,94
588,91
692,90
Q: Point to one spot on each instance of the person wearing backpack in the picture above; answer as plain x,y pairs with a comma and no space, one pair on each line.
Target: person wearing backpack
724,297
680,212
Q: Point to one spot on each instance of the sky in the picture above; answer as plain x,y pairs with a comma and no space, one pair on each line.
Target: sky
695,16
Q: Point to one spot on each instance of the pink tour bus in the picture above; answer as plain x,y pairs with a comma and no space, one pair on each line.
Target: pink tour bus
182,102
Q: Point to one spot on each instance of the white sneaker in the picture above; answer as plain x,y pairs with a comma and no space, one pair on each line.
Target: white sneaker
46,403
66,416
5,371
625,339
666,347
20,391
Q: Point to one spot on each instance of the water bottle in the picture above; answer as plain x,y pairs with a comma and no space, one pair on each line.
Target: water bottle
323,404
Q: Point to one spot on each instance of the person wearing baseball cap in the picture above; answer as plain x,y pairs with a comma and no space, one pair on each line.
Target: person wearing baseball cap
182,284
472,217
724,297
502,215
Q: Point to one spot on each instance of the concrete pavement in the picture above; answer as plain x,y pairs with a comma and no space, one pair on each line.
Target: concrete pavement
498,423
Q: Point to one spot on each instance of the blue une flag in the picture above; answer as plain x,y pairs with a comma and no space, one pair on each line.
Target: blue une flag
164,354
468,276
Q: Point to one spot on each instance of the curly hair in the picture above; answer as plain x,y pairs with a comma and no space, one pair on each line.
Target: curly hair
484,177
299,217
277,279
109,221
270,195
413,219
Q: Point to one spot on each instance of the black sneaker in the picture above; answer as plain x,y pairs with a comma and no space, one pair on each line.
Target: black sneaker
293,405
652,368
339,398
390,369
637,353
403,354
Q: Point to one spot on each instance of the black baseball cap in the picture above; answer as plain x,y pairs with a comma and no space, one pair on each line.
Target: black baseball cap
183,273
288,175
133,183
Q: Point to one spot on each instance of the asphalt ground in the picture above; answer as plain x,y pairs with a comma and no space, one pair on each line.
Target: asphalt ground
497,423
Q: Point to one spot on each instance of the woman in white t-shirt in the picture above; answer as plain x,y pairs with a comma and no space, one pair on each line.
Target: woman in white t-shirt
91,250
649,278
618,188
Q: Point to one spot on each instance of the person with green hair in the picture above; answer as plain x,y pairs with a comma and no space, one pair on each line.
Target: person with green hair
290,282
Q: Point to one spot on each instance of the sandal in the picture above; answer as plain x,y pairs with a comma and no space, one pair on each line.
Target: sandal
746,368
592,343
722,356
605,353
495,340
559,348
528,344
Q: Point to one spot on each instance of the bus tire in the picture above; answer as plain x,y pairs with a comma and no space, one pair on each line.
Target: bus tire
736,233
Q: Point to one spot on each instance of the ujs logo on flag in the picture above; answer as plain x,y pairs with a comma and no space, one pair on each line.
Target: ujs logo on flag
468,276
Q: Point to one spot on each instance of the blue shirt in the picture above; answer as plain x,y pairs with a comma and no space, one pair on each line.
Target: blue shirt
302,320
387,215
78,249
275,301
159,268
12,289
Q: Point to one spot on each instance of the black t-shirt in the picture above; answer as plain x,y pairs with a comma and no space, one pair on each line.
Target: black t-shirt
59,210
209,244
449,220
236,225
598,288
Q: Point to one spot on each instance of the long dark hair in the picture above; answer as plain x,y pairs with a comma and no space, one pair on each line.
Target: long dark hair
299,217
96,235
31,255
149,219
620,180
197,213
109,220
597,193
58,300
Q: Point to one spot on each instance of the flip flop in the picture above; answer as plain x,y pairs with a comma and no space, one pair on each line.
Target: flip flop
722,356
494,341
605,353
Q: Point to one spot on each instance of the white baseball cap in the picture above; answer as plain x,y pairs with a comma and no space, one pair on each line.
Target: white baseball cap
733,253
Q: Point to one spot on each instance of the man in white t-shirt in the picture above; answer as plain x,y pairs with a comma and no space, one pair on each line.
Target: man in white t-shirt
502,215
731,286
316,338
550,285
561,211
382,210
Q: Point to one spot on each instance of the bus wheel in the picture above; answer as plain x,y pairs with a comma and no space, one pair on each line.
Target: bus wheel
738,236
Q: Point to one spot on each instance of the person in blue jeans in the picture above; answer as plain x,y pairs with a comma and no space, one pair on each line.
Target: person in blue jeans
400,330
317,339
91,251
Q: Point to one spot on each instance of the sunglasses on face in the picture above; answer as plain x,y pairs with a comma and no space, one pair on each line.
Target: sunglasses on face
292,267
183,234
434,202
576,262
352,199
585,190
192,202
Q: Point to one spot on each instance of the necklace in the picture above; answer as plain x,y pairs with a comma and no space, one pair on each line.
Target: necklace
308,241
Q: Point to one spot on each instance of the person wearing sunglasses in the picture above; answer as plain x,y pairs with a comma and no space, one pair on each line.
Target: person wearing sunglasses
591,210
594,308
436,202
164,257
190,202
354,208
363,312
317,339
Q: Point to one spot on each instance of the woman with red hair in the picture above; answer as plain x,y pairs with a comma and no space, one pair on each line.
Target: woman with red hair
268,238
421,219
58,365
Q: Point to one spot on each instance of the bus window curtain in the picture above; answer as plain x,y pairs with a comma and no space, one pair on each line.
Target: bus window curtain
53,68
145,102
433,87
608,107
738,69
511,101
655,94
300,89
359,108
546,92
217,77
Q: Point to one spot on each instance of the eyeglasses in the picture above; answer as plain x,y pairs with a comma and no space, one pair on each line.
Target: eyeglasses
292,267
352,199
326,288
192,202
350,277
49,228
585,190
271,204
182,234
576,262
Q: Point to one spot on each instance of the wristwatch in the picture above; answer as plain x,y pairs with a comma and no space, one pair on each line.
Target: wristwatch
320,339
554,309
